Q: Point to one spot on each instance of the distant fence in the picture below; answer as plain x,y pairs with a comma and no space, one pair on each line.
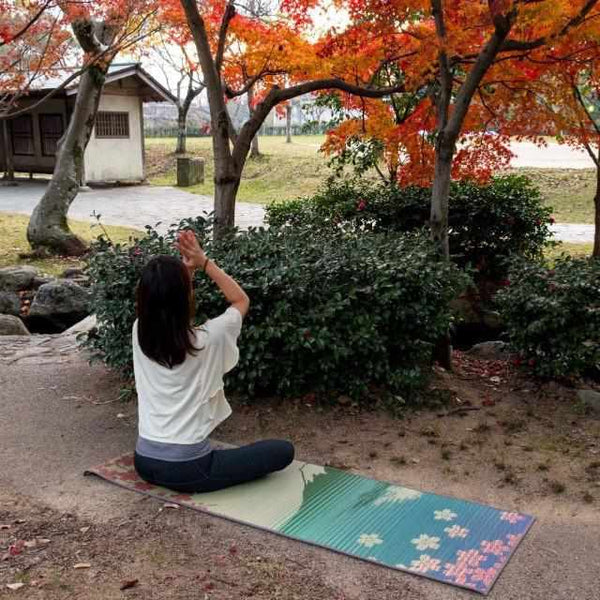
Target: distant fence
159,132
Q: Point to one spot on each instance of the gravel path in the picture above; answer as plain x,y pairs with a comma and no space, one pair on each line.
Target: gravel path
137,206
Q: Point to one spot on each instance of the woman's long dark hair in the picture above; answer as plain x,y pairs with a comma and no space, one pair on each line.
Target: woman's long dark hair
164,310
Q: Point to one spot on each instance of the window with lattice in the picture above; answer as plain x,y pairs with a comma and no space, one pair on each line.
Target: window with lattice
51,130
22,136
112,124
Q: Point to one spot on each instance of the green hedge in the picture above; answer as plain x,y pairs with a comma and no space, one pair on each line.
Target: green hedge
553,316
487,224
331,312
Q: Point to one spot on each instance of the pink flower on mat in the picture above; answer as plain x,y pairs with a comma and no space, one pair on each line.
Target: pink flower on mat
127,476
497,547
514,539
466,562
457,573
125,461
143,486
486,576
105,472
424,564
181,498
512,517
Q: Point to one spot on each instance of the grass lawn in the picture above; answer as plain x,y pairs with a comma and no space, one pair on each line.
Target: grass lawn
578,250
283,171
13,242
570,192
297,169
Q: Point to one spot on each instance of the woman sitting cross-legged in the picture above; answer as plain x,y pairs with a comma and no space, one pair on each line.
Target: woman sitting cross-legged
179,379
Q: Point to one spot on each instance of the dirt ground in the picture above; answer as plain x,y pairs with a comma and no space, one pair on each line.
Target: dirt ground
503,440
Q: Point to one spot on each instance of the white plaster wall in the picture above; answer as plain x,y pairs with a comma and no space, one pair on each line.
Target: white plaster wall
117,159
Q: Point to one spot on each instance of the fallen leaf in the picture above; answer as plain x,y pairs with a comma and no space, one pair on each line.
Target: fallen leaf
129,583
4,526
14,586
120,415
20,521
171,505
16,548
233,549
84,529
82,566
415,461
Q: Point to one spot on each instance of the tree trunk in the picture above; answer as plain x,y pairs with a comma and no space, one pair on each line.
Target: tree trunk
254,149
181,130
9,169
288,123
225,194
596,251
48,230
440,194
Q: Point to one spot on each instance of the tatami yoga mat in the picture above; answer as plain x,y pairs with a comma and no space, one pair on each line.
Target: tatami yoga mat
446,539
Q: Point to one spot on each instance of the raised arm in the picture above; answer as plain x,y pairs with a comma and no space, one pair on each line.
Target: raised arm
195,258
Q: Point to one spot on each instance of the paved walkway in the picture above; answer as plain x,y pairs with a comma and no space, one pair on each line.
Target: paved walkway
553,156
135,206
138,206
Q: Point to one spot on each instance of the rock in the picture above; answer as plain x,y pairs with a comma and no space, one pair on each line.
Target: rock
464,310
40,280
58,305
83,326
492,319
11,325
77,275
10,304
73,273
490,350
590,399
14,279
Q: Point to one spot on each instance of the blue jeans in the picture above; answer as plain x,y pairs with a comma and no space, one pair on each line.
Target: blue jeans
217,470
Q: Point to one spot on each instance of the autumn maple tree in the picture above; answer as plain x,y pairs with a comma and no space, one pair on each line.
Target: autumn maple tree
449,55
33,42
281,63
465,58
558,96
101,30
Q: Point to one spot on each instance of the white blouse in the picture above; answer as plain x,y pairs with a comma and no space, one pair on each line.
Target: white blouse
183,405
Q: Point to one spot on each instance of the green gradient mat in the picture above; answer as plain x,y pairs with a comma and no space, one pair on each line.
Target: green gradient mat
453,541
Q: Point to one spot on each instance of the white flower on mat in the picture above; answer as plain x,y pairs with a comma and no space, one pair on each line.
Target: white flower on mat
444,515
456,531
369,539
397,493
373,558
424,542
425,563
